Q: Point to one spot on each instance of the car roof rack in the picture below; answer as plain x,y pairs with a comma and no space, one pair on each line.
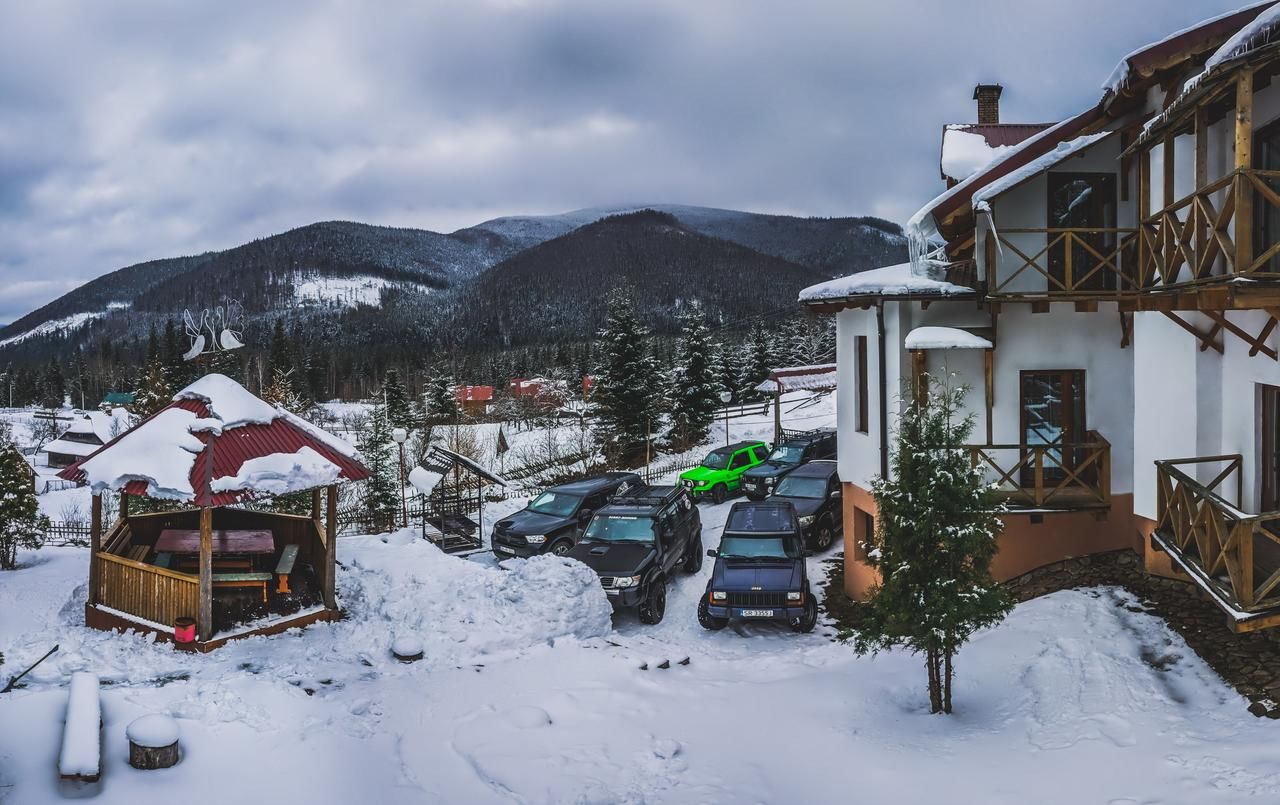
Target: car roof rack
644,496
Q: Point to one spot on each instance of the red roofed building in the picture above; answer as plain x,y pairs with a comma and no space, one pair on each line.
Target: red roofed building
474,399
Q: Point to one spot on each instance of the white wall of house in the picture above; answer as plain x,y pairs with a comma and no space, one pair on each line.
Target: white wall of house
1238,396
1164,402
859,453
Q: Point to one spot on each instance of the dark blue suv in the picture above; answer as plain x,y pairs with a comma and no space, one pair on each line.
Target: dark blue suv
554,520
760,572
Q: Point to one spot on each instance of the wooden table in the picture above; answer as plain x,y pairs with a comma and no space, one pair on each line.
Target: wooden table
183,540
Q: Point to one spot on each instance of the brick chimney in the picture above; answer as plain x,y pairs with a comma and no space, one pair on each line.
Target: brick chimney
988,98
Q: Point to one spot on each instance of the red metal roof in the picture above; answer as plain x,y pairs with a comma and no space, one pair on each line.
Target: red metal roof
995,134
474,393
225,452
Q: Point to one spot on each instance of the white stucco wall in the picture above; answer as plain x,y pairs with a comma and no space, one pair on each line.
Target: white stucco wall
1164,403
859,453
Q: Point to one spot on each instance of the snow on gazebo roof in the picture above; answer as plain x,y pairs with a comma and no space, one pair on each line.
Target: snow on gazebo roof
217,444
819,377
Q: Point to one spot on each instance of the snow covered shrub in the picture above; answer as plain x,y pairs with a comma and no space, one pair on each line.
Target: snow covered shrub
21,524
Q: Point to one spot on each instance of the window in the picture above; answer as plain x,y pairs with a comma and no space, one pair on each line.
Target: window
1084,203
860,357
741,460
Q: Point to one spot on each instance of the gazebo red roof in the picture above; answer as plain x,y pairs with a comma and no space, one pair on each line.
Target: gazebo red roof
225,448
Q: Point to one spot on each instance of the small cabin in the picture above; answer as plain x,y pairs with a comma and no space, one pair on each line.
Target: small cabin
78,441
474,400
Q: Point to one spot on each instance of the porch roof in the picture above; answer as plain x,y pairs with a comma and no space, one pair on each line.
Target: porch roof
945,338
217,444
819,377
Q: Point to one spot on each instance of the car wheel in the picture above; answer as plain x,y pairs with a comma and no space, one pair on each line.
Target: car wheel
706,621
562,547
824,535
693,560
809,619
719,493
654,605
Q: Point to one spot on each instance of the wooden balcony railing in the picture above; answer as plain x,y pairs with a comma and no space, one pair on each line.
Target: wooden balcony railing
1049,476
1071,261
1232,553
1195,239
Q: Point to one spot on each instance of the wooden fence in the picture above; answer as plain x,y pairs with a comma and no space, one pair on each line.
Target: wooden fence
1049,476
145,591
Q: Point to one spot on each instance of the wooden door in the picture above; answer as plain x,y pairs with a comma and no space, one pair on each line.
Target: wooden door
1266,217
1053,419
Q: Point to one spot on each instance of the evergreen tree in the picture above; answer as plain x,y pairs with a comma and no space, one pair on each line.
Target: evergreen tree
155,392
440,398
694,390
381,490
281,391
933,549
396,399
171,351
53,388
729,368
21,524
281,355
756,365
627,392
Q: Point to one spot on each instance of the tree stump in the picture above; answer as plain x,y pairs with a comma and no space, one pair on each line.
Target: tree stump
407,649
153,742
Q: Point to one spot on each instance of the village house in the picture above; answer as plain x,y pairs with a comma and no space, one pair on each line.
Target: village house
474,400
1106,287
87,431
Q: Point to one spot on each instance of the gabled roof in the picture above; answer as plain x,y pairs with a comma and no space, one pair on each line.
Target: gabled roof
474,393
217,444
968,147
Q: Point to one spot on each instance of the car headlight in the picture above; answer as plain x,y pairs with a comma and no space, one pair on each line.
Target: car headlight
535,539
806,521
795,596
626,581
719,595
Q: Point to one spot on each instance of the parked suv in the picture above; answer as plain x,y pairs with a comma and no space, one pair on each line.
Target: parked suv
813,489
552,521
792,451
639,541
720,473
760,571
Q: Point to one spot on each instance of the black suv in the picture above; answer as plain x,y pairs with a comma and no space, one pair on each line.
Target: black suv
554,519
760,571
814,490
639,541
792,451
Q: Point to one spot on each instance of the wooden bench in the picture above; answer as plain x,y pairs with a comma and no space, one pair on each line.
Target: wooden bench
285,566
243,580
138,553
81,755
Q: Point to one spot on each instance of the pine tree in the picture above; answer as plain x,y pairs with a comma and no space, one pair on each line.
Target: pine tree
381,491
21,524
756,365
693,391
396,400
937,536
53,388
281,355
440,399
627,391
155,392
281,391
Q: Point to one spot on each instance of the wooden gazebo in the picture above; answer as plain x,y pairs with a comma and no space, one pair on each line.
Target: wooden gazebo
234,570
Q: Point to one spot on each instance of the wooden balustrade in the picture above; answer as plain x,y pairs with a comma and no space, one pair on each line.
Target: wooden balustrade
1071,261
1049,476
1192,241
152,593
1222,546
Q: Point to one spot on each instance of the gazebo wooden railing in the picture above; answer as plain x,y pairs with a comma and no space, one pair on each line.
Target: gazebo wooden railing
1057,476
1233,554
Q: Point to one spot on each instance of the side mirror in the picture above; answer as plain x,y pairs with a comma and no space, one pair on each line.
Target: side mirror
712,552
835,493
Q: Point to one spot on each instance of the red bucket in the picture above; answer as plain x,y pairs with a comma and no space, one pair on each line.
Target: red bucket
184,630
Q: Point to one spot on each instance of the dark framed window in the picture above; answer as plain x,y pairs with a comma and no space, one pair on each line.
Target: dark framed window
860,366
1085,205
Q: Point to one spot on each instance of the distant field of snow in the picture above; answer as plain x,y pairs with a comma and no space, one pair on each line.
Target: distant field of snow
343,291
64,325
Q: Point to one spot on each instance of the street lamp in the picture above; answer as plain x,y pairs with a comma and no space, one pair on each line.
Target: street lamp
725,397
400,436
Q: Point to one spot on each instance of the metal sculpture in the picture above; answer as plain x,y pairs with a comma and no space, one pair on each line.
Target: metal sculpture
219,329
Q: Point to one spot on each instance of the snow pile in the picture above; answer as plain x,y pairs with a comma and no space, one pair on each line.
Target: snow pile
965,152
424,480
944,338
165,447
229,401
280,473
982,198
1261,31
81,755
1118,80
153,731
801,378
899,280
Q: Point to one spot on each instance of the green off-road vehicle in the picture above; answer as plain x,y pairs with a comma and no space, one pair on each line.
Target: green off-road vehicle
720,473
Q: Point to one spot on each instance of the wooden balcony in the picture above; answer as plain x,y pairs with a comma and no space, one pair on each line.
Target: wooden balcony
1194,241
1049,477
1230,553
1072,263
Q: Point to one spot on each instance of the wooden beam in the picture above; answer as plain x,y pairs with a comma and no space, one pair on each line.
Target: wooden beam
95,545
1039,307
315,504
1167,152
1204,338
1087,306
1257,344
328,574
1126,329
1244,161
204,621
989,373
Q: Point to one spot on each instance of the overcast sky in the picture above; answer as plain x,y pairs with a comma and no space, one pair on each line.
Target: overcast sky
137,130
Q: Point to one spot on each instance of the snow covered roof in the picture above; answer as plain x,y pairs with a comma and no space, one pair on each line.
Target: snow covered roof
969,147
983,196
944,338
440,460
67,447
217,444
897,280
800,378
474,393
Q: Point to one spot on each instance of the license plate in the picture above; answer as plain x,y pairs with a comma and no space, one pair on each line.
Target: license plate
757,613
502,549
612,592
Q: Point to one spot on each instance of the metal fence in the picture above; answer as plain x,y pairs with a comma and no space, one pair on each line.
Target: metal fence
64,534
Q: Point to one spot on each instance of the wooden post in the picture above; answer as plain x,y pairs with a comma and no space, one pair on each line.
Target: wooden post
1244,162
1168,236
328,573
918,375
1244,543
1146,260
204,622
777,414
989,376
315,505
1202,179
95,545
124,506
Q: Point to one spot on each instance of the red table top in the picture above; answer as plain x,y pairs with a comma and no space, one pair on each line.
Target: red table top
182,540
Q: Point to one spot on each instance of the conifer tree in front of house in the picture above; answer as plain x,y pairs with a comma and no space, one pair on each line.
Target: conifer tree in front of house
396,399
440,399
627,391
155,392
694,390
381,490
938,525
757,363
21,523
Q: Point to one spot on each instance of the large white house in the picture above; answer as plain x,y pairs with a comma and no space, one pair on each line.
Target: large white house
1108,288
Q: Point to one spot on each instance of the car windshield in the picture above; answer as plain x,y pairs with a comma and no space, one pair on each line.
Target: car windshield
716,461
760,518
787,454
793,487
616,528
556,504
742,547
